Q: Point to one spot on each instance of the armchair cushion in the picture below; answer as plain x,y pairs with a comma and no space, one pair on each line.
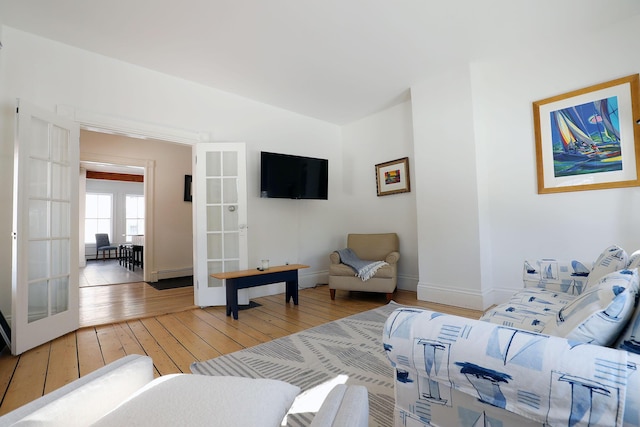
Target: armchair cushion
531,309
385,271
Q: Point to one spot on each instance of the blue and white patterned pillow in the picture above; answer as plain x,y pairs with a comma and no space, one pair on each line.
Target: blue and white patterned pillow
612,259
634,260
599,314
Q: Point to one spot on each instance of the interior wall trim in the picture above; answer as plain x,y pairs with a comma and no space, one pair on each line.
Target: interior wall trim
105,123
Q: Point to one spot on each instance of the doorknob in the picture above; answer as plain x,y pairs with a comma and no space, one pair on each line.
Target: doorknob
232,208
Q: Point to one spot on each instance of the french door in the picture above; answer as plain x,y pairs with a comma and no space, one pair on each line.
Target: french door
45,231
220,218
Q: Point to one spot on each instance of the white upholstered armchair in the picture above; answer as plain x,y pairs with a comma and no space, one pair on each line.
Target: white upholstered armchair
370,247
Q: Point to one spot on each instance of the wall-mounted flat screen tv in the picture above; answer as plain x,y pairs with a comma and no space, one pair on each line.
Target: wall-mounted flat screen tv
284,176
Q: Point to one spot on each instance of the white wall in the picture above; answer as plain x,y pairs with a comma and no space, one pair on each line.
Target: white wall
474,140
381,137
447,191
50,74
525,224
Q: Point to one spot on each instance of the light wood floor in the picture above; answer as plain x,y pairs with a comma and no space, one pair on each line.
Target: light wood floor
116,303
177,339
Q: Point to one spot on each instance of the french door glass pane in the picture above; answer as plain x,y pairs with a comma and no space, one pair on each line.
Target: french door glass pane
213,164
214,218
230,219
230,190
214,267
231,245
230,159
59,145
60,182
38,297
232,265
59,295
59,257
39,146
60,214
214,246
38,226
38,177
38,259
214,190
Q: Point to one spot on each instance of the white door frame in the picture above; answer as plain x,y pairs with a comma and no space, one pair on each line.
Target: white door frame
135,129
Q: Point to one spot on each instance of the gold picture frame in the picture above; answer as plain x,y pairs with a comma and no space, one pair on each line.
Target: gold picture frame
587,139
393,177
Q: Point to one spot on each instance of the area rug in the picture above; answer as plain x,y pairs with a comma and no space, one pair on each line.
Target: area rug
172,283
351,347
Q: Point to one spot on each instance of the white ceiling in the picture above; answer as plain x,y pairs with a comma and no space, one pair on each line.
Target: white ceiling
335,60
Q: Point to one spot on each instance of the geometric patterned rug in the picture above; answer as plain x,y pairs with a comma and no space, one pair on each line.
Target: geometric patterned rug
351,346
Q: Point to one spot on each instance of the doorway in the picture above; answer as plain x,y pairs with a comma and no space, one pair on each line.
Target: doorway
168,218
112,202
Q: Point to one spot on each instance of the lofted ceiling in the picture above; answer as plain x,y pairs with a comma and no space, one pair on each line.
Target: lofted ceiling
334,60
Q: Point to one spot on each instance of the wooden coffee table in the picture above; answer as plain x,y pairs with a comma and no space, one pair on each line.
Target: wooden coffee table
243,279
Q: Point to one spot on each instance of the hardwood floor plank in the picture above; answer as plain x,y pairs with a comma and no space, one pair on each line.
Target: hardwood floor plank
128,340
243,338
8,366
192,342
29,378
179,355
219,313
89,352
162,362
109,343
215,338
64,356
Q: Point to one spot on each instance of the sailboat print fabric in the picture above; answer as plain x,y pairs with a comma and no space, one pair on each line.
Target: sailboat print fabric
456,371
574,276
598,315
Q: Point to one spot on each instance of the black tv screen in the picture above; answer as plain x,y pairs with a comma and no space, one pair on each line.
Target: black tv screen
284,176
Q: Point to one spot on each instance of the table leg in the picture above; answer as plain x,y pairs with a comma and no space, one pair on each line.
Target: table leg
292,291
232,298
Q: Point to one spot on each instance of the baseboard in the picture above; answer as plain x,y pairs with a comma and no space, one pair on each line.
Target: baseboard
407,283
465,298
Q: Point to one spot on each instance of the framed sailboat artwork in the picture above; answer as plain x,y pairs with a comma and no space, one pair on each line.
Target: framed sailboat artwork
587,139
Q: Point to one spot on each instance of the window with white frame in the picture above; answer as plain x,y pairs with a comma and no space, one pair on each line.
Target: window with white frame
134,216
98,216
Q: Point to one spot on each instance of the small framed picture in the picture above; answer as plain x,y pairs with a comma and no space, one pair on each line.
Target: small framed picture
393,177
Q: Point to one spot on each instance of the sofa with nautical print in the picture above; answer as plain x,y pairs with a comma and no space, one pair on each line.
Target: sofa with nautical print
561,352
